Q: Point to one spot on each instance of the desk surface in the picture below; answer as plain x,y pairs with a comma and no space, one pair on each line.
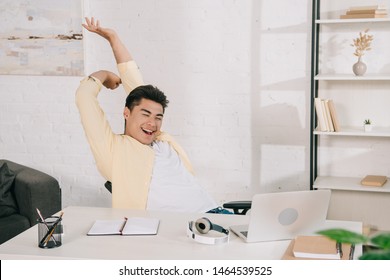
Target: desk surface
171,242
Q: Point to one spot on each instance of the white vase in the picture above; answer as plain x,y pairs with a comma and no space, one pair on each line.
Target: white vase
359,68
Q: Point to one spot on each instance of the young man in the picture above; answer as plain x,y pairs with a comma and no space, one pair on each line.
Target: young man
147,167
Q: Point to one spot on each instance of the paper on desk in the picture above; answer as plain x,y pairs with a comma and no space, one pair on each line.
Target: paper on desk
133,226
141,226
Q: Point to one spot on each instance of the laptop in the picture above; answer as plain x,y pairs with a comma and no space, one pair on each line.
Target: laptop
284,215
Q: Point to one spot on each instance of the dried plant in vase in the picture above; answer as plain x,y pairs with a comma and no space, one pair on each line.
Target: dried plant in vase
361,44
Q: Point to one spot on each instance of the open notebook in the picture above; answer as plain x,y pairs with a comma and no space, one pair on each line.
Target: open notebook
127,226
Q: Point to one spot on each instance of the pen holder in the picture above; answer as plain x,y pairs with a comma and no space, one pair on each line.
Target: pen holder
50,232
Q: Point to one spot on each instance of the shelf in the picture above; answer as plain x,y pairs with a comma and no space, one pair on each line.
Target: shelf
350,77
350,199
358,131
347,184
355,20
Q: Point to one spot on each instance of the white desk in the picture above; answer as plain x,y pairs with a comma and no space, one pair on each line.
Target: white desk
171,243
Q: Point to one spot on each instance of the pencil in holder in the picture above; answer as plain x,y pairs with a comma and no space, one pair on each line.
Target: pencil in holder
50,232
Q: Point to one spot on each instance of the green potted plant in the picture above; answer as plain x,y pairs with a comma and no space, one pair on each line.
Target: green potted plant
379,244
367,125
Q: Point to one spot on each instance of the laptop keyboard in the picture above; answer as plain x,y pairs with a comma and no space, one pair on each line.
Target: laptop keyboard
245,233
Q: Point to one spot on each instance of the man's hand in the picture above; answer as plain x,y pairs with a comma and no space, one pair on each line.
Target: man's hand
109,80
94,26
120,51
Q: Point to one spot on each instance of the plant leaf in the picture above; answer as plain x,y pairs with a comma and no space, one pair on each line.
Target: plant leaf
376,255
381,240
344,236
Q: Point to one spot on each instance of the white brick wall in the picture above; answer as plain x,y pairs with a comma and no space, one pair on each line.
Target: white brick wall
237,76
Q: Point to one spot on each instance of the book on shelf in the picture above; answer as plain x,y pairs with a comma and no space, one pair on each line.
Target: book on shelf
372,7
368,12
320,114
127,226
326,115
363,16
356,12
333,115
374,180
305,247
323,105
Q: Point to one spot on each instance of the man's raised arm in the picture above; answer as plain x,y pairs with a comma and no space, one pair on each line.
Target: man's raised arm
128,69
95,124
121,53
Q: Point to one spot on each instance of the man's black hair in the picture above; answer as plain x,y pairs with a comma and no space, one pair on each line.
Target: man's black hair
146,92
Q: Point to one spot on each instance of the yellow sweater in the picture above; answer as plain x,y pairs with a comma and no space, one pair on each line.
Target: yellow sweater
121,159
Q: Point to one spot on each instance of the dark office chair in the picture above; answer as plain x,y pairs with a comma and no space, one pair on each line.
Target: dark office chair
238,207
108,186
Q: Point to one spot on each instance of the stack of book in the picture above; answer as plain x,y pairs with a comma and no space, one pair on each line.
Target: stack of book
374,180
376,11
318,248
326,115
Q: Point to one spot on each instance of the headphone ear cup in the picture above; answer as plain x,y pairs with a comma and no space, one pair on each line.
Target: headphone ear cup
203,225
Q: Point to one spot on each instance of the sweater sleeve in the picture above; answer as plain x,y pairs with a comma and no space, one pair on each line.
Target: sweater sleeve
97,129
130,75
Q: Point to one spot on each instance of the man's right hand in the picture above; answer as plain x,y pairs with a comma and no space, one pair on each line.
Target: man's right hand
109,79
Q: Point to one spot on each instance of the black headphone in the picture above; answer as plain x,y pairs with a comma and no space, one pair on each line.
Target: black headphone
203,226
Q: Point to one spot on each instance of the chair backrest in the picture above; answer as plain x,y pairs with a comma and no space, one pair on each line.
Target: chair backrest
239,207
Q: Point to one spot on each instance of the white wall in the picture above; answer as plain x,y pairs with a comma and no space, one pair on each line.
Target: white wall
237,77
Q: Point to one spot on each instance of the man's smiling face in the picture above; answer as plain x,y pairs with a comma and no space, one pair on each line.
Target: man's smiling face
144,121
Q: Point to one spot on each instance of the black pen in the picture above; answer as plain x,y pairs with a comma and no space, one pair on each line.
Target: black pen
123,226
